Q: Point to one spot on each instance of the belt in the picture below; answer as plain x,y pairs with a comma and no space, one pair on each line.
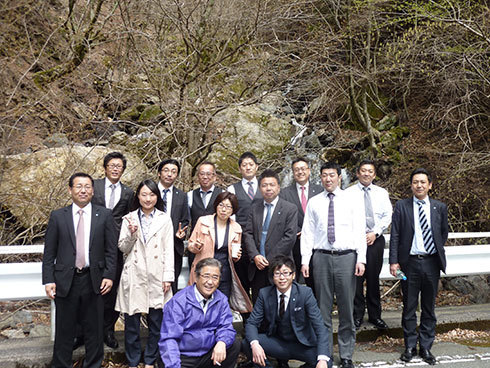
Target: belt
334,252
80,271
422,256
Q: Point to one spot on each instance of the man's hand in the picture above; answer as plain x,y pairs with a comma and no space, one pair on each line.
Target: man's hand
321,364
50,290
105,286
360,267
370,238
305,270
181,231
258,354
260,261
393,268
219,353
166,286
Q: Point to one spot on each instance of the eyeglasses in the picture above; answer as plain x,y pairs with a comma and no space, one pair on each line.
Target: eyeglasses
207,277
283,273
225,206
115,166
80,187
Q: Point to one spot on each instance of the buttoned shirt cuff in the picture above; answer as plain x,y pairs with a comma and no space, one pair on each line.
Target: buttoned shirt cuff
323,357
253,342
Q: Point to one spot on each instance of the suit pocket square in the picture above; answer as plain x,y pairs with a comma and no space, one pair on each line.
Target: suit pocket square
296,309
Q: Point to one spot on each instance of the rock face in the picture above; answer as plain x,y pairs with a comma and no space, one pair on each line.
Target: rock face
478,287
33,184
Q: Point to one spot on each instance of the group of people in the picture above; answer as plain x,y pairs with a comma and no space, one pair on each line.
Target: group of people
252,247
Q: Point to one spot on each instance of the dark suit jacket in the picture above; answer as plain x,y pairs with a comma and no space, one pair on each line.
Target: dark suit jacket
290,194
179,213
403,230
306,319
60,249
122,207
280,237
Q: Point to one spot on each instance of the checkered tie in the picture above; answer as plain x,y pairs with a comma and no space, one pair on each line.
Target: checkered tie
426,232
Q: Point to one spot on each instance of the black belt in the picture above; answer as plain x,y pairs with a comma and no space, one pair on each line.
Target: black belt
334,252
81,271
422,256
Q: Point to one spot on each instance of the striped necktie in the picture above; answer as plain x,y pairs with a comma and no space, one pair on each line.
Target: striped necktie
429,245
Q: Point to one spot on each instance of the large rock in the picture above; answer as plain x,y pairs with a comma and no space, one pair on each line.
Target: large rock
477,287
33,184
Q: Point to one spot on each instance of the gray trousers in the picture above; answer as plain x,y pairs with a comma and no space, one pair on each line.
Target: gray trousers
334,274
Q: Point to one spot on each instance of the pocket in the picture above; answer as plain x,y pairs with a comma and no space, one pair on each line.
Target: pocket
59,267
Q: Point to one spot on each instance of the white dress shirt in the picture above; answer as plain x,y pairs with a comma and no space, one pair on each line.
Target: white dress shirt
380,201
298,189
274,205
245,186
108,191
350,226
170,196
208,196
418,239
87,220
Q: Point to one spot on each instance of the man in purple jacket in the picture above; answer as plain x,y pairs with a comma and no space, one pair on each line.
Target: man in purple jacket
197,329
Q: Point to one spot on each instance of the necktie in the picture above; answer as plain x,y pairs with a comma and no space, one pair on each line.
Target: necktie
368,209
203,197
426,233
331,220
265,228
204,302
80,257
282,308
250,190
112,198
304,201
164,197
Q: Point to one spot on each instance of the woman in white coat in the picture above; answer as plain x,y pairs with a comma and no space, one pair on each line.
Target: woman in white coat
147,242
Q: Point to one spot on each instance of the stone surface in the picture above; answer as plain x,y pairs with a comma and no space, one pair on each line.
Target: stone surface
13,334
40,331
33,184
478,287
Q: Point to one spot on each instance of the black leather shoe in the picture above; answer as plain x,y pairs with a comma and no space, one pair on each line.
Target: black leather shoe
77,342
408,354
358,323
379,323
346,363
427,356
111,341
282,364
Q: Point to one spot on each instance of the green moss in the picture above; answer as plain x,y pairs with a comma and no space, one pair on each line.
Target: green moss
150,112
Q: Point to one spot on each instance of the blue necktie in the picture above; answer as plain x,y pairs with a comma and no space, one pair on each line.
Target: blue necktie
429,245
164,197
265,228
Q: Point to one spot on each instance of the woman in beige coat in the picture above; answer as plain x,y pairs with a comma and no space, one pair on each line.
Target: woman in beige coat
215,236
147,242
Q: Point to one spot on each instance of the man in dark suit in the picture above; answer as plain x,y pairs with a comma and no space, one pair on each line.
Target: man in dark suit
79,266
286,322
299,193
419,230
271,230
247,191
175,205
114,195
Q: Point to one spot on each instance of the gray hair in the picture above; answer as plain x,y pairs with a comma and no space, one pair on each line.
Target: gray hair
211,262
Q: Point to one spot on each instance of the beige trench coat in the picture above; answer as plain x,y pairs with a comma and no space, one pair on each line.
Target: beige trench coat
146,266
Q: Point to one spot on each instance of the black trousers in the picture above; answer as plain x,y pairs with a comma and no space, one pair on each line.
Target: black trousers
177,270
110,314
81,305
422,278
374,263
206,362
260,280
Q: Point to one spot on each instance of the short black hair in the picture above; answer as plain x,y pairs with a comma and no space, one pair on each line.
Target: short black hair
167,161
269,173
223,196
300,159
113,155
331,165
279,261
150,184
366,162
420,170
245,155
79,175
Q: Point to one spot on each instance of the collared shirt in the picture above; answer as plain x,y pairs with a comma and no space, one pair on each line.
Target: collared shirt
87,220
418,239
108,191
380,201
255,185
350,226
201,299
170,195
274,204
145,222
298,189
208,196
287,295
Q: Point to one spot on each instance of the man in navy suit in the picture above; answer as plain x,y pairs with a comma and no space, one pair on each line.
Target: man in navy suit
114,195
298,194
79,266
419,230
271,230
176,206
286,322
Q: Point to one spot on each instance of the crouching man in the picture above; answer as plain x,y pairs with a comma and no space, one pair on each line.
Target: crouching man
197,329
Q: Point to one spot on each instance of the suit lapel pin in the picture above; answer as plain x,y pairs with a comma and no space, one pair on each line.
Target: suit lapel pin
279,213
96,214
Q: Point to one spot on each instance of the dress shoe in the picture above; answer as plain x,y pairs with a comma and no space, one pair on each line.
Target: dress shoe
77,342
379,323
427,356
346,363
282,364
110,340
358,323
408,354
